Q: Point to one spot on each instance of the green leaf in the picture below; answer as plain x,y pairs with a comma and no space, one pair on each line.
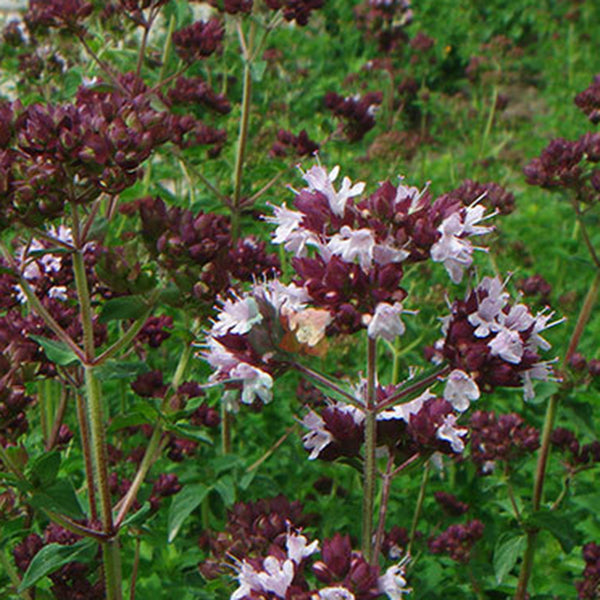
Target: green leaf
225,487
44,469
508,549
182,506
56,351
53,556
117,369
60,497
559,525
189,432
133,420
123,307
138,516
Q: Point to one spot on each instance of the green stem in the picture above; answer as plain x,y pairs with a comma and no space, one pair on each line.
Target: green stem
242,136
13,576
385,495
84,431
125,339
489,122
540,473
58,418
134,571
370,466
413,388
327,383
167,49
110,549
418,508
149,457
152,450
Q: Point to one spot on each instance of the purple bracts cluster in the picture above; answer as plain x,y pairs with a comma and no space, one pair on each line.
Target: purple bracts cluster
457,541
199,40
494,341
296,10
589,588
500,438
589,101
358,114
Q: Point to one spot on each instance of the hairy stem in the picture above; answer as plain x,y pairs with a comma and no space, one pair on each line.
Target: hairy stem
58,418
418,508
86,445
370,466
544,451
407,391
13,576
153,447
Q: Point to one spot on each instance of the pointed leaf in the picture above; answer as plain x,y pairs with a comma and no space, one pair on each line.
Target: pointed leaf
559,525
508,549
117,369
123,307
56,351
60,497
53,556
182,506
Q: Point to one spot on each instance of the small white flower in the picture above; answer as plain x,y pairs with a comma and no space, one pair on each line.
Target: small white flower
453,249
280,296
59,292
287,221
334,593
403,411
392,582
277,575
450,433
386,322
460,390
353,243
507,345
236,316
318,438
256,383
490,308
298,548
318,180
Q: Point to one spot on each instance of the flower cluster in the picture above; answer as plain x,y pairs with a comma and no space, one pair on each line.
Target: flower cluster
536,285
251,529
422,425
457,541
94,146
357,114
361,247
199,40
590,586
494,341
300,145
345,573
495,195
451,504
249,340
196,249
500,438
57,13
385,22
589,101
194,90
296,10
565,441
